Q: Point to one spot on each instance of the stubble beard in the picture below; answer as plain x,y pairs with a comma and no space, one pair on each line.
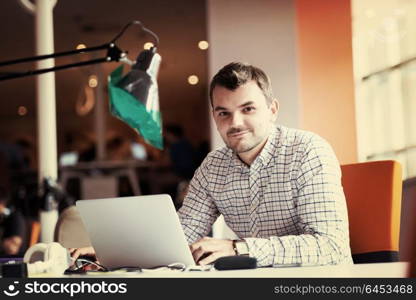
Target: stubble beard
244,146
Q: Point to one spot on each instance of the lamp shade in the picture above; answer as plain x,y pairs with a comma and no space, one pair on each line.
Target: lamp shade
134,97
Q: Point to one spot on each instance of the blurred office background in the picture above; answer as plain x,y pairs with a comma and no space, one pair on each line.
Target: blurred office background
345,69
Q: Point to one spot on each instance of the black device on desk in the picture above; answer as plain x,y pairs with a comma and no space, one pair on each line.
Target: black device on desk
235,263
13,270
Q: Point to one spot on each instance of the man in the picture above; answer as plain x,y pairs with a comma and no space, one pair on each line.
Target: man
279,189
181,152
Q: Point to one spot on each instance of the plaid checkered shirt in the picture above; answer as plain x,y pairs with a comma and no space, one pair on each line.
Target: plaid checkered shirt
288,205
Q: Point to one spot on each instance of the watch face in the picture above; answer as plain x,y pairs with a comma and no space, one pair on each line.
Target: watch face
242,248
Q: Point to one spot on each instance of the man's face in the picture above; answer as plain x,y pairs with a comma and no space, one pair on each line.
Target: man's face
242,116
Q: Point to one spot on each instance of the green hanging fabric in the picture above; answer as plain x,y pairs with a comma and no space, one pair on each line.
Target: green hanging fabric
143,117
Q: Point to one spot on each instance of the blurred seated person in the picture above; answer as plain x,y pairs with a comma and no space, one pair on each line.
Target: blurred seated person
119,148
181,152
12,156
182,157
26,145
83,144
12,228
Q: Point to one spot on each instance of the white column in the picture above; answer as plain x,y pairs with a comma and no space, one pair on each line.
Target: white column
46,118
45,92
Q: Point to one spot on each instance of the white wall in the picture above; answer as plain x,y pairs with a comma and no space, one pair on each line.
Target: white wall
261,33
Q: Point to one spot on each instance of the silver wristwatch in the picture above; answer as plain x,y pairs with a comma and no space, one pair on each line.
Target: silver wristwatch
240,247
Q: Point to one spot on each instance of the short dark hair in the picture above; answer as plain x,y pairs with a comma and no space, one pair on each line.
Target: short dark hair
236,74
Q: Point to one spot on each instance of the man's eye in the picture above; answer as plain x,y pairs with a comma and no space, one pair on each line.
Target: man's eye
222,114
248,109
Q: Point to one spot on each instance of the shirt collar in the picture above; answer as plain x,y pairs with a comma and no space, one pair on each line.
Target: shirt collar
265,155
268,151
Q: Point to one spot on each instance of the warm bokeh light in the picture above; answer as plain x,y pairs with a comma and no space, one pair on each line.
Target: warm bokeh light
203,45
81,46
93,81
148,45
22,110
193,79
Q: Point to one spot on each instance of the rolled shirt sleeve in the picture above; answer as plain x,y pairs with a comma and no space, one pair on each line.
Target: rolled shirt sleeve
322,216
198,211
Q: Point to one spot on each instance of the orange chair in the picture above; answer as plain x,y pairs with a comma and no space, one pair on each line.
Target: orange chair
373,192
412,267
34,232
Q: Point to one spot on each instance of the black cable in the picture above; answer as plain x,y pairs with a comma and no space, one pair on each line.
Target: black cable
143,28
87,261
84,262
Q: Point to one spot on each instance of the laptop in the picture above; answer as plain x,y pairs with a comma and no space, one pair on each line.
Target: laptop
139,231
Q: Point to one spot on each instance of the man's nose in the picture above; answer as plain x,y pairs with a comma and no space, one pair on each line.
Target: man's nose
236,120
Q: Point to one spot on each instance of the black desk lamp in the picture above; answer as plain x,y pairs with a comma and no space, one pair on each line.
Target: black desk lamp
133,98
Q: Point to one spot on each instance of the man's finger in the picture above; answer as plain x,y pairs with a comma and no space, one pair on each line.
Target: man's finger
205,247
198,253
210,258
195,246
208,245
75,254
204,241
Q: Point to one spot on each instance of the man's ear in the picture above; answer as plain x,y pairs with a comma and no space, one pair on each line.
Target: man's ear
274,107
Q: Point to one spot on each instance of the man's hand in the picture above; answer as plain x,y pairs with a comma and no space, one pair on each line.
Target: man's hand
77,252
207,250
11,245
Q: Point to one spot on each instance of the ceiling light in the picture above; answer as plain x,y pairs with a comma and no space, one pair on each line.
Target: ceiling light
193,79
148,45
203,45
93,81
22,110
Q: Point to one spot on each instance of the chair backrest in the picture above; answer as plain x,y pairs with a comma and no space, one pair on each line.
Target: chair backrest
34,229
412,251
70,231
373,193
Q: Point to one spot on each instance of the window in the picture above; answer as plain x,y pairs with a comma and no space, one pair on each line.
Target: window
384,50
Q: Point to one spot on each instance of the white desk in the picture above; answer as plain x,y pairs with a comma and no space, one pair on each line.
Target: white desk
388,270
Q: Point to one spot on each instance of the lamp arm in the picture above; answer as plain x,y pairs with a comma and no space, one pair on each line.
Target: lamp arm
113,54
53,55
